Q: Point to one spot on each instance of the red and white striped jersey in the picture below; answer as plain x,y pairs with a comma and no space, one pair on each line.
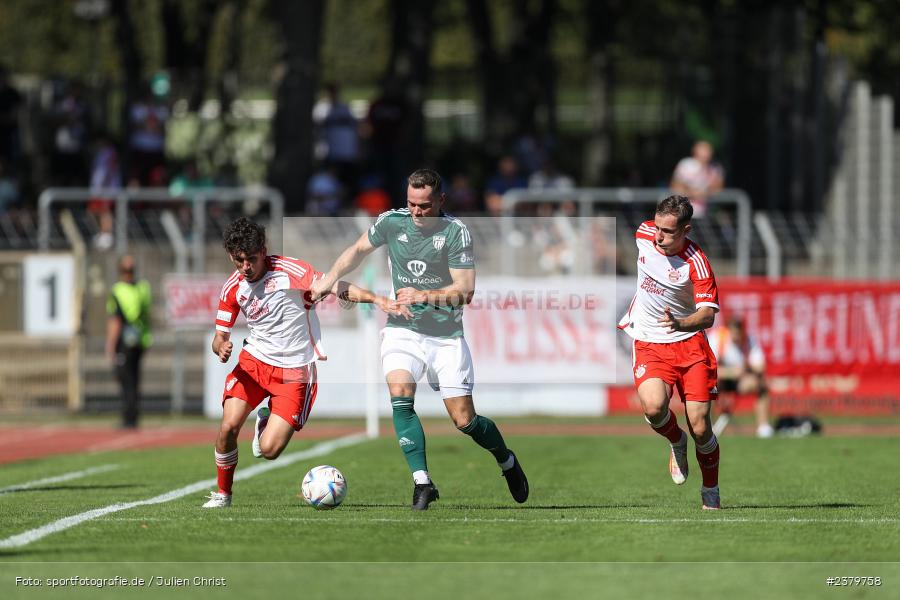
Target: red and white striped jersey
284,328
682,282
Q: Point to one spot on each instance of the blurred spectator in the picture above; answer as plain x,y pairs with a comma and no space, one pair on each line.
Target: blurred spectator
384,129
128,335
742,366
185,185
189,180
106,177
71,138
323,194
698,177
550,178
461,197
506,178
372,199
553,233
9,189
339,133
10,103
149,116
530,153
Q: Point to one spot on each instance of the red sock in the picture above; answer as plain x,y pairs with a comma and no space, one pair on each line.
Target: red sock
708,457
669,429
225,464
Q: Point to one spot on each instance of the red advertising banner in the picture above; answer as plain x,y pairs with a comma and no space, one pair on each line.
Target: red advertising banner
192,300
830,346
549,330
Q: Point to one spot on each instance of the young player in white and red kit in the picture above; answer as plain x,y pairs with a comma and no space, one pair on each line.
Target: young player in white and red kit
278,358
676,300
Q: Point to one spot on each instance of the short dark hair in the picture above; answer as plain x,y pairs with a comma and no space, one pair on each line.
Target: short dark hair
679,206
421,178
244,236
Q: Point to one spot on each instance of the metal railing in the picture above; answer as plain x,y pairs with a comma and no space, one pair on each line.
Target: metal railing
587,200
198,201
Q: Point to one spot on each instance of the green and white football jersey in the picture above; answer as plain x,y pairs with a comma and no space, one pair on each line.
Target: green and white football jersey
422,259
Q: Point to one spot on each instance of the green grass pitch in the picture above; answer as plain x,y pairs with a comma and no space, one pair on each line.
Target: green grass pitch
603,520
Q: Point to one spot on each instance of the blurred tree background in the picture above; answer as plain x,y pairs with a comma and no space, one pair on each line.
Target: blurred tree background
614,91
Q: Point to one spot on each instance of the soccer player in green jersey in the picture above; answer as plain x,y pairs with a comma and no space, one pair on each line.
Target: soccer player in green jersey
433,270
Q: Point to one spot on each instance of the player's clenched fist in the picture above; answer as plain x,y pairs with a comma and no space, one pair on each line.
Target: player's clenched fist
225,351
320,288
670,323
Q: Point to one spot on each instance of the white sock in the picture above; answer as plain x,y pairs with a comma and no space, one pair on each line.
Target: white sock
421,477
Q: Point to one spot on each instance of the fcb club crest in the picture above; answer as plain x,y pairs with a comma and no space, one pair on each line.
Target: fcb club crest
416,267
674,275
438,241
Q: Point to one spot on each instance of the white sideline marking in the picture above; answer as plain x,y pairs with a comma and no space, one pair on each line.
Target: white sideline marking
32,535
571,521
59,478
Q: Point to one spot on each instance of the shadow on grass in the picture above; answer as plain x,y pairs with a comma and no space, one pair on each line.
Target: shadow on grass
793,506
64,488
443,505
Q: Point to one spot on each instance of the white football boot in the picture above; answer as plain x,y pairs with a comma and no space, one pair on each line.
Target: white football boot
678,462
262,419
218,500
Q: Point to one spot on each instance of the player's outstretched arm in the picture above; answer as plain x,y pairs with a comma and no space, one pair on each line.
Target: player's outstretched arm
458,293
222,345
349,292
703,318
346,262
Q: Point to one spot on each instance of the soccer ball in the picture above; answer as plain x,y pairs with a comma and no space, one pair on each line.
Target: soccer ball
324,487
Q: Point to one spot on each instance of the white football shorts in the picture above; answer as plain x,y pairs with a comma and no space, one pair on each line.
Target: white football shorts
447,362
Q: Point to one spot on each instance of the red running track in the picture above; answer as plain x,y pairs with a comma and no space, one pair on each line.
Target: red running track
23,442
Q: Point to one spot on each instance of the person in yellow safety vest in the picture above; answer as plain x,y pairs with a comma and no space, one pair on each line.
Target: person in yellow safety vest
128,335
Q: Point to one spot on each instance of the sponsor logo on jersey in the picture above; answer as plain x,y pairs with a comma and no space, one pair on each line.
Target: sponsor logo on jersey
420,280
402,238
416,267
438,241
702,295
674,275
256,310
271,285
650,286
465,257
639,372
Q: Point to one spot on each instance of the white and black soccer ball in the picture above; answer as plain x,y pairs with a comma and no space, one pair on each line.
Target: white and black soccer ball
324,487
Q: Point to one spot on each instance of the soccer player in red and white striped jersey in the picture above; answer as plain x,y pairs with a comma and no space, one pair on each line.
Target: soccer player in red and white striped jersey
676,300
278,358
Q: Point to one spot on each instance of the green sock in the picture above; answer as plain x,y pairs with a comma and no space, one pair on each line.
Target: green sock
409,432
485,433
